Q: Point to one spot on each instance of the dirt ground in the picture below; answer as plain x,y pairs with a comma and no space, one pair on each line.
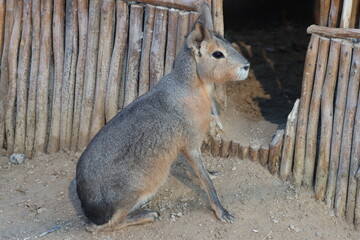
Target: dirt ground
38,198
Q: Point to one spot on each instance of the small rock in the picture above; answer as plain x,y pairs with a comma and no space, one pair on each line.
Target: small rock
317,234
17,158
255,230
40,210
233,169
275,220
291,227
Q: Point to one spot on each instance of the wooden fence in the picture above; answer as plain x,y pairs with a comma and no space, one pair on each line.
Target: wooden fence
68,66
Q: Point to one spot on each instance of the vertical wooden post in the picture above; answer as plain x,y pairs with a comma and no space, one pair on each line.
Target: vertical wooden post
354,13
346,13
355,146
22,80
34,70
243,152
217,12
289,142
311,137
182,31
254,152
324,11
225,148
43,77
12,61
342,86
264,155
103,64
80,70
171,40
307,83
90,73
357,203
4,77
144,73
58,46
327,102
334,13
2,24
157,53
115,86
193,17
275,151
345,149
133,55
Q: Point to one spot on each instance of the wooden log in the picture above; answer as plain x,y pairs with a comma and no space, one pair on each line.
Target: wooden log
171,40
346,13
254,152
225,148
327,106
193,18
182,31
157,53
334,32
80,70
144,73
58,45
218,17
289,142
4,76
103,66
179,4
2,23
307,83
324,12
234,149
345,148
341,92
275,148
90,73
312,129
22,80
133,55
115,86
34,70
12,61
43,78
354,13
264,155
334,13
354,163
243,152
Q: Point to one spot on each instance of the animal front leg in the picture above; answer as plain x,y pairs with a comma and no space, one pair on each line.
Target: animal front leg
194,157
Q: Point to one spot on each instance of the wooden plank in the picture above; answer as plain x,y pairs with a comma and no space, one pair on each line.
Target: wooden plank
12,61
80,71
133,55
275,151
327,106
179,4
218,16
144,73
90,74
346,13
58,44
107,26
171,40
314,112
334,32
354,13
43,77
34,69
115,86
4,67
340,103
289,142
334,13
348,128
182,31
22,79
324,11
307,83
157,53
354,163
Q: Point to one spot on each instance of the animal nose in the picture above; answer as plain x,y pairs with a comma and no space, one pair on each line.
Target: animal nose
246,67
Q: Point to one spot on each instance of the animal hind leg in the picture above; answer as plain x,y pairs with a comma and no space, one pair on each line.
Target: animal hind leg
144,216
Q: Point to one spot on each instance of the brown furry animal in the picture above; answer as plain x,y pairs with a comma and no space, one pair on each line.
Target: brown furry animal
130,158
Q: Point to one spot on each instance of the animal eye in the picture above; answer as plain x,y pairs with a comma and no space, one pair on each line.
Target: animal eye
218,55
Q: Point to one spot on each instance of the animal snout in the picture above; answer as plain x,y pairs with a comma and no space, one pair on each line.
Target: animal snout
246,67
242,72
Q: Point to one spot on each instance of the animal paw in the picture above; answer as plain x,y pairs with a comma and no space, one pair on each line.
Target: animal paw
225,216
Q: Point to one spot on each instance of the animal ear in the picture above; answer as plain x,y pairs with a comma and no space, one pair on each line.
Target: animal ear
205,16
199,34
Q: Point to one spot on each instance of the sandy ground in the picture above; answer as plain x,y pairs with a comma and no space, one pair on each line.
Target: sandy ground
39,195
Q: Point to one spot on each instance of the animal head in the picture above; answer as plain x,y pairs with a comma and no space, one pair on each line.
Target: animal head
217,61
